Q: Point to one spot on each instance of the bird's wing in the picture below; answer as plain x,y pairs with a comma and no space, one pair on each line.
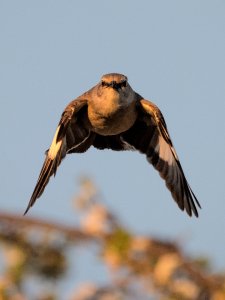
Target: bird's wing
150,136
70,136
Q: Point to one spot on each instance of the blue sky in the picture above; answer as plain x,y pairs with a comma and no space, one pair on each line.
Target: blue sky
172,52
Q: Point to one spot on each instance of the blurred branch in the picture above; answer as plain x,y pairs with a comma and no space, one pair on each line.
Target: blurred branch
8,220
140,266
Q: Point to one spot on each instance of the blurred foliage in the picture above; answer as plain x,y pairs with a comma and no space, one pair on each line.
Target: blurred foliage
34,259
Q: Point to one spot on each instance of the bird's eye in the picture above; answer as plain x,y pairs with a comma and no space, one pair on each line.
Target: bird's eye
104,83
124,83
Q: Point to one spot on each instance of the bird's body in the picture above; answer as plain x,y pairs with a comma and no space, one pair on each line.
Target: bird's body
113,116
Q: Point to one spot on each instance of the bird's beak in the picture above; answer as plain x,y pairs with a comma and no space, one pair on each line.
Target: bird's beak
114,85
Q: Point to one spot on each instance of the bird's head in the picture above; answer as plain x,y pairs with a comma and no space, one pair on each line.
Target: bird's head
113,90
114,81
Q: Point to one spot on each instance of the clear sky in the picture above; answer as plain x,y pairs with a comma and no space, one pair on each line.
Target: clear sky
173,53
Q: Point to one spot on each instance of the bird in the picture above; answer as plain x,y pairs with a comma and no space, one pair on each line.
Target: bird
111,115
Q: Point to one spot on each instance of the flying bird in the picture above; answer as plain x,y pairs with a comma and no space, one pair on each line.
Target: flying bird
111,115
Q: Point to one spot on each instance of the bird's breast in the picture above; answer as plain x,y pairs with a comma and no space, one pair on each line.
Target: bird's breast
113,120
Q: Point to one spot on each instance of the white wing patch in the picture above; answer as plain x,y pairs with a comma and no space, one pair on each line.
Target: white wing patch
165,151
55,146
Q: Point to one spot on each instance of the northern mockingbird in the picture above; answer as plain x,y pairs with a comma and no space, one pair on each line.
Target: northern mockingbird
112,115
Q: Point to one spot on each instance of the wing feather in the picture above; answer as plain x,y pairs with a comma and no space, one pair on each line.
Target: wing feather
150,136
64,139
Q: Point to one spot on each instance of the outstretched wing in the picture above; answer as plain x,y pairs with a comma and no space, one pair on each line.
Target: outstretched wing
150,136
70,136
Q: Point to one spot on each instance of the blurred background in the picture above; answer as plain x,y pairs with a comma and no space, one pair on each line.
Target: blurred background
173,54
